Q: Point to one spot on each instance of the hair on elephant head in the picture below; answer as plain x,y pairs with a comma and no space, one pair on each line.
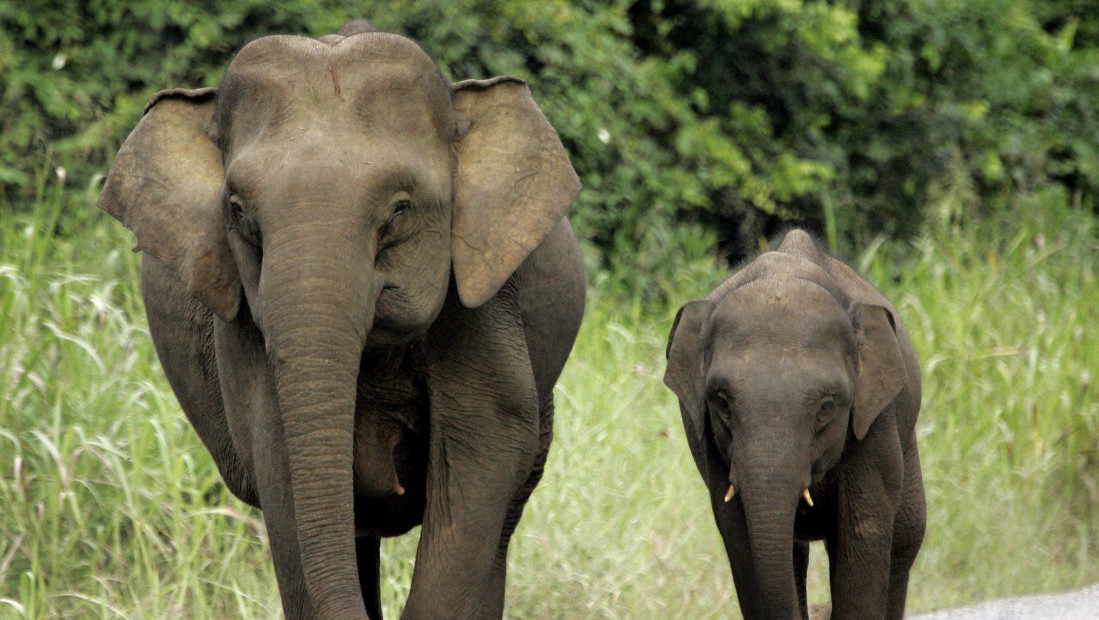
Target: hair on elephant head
340,206
799,390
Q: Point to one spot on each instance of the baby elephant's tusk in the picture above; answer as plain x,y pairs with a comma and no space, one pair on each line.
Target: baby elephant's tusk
808,498
730,493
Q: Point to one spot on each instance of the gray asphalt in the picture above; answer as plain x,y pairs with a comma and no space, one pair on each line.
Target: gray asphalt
1078,605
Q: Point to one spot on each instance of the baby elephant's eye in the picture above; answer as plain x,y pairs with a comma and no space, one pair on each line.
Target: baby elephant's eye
722,402
825,411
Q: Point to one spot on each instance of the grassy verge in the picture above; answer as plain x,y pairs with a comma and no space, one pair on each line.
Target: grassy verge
112,508
1003,318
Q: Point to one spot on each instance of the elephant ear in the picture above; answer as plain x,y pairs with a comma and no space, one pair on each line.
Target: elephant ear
514,183
165,186
881,367
684,372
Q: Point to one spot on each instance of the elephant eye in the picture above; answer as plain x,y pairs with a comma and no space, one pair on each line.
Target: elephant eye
723,403
825,411
236,209
399,208
240,221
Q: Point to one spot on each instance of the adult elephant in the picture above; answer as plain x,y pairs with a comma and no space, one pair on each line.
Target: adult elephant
362,288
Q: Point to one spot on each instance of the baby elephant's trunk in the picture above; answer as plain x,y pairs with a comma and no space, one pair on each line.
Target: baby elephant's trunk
770,489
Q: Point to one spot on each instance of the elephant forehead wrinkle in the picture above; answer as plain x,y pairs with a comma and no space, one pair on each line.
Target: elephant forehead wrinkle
406,109
246,105
784,287
771,300
389,90
779,334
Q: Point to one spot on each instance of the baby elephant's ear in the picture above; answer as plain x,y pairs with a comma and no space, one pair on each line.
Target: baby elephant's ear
881,368
514,184
684,372
165,186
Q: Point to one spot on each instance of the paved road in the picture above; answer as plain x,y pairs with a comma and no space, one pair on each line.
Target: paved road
1078,605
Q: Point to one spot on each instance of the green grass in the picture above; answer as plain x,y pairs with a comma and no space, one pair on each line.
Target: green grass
1004,320
111,508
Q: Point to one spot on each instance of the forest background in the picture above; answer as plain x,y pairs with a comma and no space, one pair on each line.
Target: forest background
947,149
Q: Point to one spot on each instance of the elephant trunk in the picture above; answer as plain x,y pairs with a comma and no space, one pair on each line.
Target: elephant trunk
319,310
770,490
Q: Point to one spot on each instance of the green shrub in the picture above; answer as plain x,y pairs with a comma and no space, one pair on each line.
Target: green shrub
75,74
854,116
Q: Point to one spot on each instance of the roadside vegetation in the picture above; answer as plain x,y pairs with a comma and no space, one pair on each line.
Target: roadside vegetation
113,509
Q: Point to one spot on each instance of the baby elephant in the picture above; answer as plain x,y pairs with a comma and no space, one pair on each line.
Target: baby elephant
799,390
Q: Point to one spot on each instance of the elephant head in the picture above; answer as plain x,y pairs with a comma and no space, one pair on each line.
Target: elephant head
776,371
332,190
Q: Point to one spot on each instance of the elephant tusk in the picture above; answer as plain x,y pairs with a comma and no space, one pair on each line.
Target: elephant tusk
808,498
730,493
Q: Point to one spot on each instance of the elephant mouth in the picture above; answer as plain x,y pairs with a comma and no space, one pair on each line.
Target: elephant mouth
407,304
389,328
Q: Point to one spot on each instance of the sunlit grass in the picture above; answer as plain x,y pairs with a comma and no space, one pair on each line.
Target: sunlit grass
1004,321
111,507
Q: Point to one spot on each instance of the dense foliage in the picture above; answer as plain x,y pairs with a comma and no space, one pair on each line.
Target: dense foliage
692,122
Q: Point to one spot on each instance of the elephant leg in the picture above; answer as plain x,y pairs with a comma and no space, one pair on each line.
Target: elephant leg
859,575
908,533
485,439
493,606
278,515
252,414
859,566
368,555
282,533
732,524
462,550
494,601
731,521
860,545
183,334
801,569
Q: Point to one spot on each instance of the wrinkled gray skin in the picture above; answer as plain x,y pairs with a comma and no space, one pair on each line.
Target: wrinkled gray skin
362,288
795,374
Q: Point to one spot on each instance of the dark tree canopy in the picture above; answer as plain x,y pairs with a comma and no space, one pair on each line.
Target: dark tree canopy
695,124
